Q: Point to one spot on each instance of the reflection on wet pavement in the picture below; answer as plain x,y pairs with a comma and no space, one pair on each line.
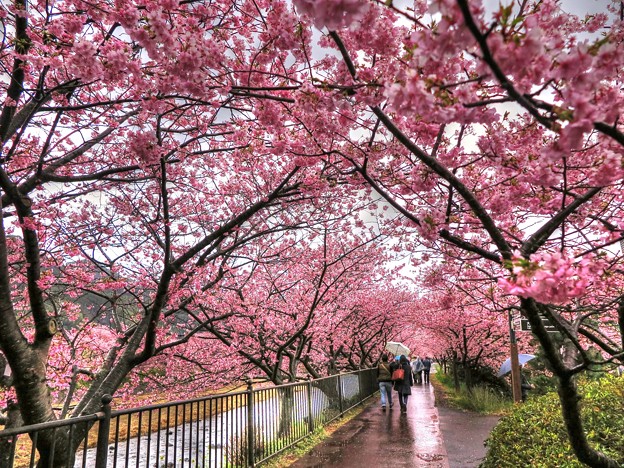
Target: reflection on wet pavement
377,438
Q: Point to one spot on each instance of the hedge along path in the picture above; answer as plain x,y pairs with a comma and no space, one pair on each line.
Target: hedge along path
534,434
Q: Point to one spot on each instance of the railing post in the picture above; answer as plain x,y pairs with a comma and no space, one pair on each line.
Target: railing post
360,387
340,394
250,424
310,412
372,381
101,456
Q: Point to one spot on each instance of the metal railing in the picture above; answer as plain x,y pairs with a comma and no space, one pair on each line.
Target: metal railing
238,429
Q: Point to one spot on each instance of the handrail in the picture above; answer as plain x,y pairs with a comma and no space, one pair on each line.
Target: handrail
242,428
50,424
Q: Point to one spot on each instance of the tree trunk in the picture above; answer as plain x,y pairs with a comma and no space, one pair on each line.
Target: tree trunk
468,376
36,407
568,393
455,372
286,411
569,354
329,387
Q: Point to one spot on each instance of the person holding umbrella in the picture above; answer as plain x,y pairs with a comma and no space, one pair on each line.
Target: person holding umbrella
505,368
396,348
404,387
525,386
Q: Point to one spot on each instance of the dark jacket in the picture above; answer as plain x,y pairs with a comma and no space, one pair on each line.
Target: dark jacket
525,386
404,387
384,374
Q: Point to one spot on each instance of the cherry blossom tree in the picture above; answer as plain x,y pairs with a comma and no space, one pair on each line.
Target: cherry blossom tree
378,315
465,319
141,155
496,133
153,140
131,170
309,305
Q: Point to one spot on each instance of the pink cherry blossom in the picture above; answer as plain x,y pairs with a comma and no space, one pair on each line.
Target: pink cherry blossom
333,14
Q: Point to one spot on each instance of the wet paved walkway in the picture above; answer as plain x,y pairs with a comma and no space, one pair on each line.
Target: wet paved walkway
377,438
463,435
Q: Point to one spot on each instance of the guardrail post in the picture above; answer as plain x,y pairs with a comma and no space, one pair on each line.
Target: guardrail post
360,387
373,387
310,412
101,456
340,394
250,424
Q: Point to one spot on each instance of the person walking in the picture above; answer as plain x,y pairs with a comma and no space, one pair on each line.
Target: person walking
417,368
426,369
384,378
404,387
525,386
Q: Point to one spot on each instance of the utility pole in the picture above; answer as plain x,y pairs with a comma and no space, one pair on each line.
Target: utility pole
515,364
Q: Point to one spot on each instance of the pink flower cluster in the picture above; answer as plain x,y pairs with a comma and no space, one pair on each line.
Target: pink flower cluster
333,14
551,277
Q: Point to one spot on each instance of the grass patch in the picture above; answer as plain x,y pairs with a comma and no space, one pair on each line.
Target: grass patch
294,453
478,399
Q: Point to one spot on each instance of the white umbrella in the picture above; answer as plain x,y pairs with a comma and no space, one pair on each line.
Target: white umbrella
397,348
506,366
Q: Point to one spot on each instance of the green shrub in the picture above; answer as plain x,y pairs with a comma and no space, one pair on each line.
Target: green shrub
534,434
